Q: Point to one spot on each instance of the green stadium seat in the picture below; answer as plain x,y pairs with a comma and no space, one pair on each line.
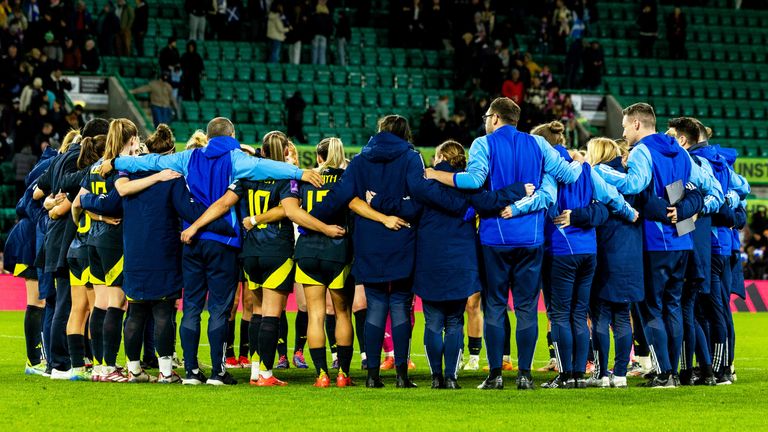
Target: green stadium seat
339,117
275,71
274,115
322,94
355,58
313,134
242,113
370,98
400,57
274,93
402,99
260,73
355,98
306,74
227,73
356,119
355,78
229,53
291,74
209,89
386,98
243,71
323,118
258,92
227,91
208,110
339,95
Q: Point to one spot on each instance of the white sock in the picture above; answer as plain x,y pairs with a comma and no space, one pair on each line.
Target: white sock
645,362
134,367
363,356
165,365
389,354
254,370
335,356
266,374
506,358
474,357
195,371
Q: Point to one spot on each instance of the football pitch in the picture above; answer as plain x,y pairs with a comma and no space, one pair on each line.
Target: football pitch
35,403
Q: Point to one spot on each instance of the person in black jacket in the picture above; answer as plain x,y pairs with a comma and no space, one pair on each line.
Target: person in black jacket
140,25
321,25
192,72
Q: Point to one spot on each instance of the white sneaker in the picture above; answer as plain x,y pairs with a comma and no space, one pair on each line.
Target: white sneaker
618,382
60,375
38,369
603,382
473,364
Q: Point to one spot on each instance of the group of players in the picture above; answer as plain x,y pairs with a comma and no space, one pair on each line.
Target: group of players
109,223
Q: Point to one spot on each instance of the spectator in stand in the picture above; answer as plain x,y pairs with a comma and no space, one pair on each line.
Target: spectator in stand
197,10
488,15
9,74
513,87
169,55
30,93
573,63
543,36
276,31
219,19
561,26
10,118
31,11
22,162
191,72
297,20
52,48
343,35
437,27
442,110
5,13
322,29
126,14
72,56
546,75
258,12
80,23
90,57
234,13
676,25
594,64
57,84
46,138
295,106
107,25
554,96
648,24
414,18
58,118
140,26
457,130
161,100
19,19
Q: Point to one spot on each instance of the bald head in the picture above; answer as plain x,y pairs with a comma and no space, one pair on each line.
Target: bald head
220,126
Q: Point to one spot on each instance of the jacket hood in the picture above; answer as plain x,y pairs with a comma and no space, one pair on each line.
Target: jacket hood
729,154
385,147
48,153
710,153
219,146
664,144
445,166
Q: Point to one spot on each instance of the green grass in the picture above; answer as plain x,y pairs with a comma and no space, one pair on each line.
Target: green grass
35,403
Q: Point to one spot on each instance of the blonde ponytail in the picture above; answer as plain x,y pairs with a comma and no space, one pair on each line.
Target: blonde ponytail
331,150
121,131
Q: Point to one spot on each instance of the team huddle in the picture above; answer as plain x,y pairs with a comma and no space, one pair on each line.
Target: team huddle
639,237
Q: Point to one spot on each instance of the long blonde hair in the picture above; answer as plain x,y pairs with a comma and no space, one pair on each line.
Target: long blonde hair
331,150
601,149
121,131
274,145
69,138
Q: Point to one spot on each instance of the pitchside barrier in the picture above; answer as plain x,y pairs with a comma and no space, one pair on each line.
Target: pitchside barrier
13,297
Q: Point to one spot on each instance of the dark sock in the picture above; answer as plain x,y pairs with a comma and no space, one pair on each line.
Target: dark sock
345,358
550,345
87,338
97,334
374,373
523,372
113,330
302,320
33,325
495,372
230,352
507,335
475,344
282,340
319,359
402,370
578,375
360,328
253,334
268,334
76,344
330,331
244,342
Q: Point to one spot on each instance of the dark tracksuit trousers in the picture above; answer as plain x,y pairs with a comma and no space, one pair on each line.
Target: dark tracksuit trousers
519,268
209,268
